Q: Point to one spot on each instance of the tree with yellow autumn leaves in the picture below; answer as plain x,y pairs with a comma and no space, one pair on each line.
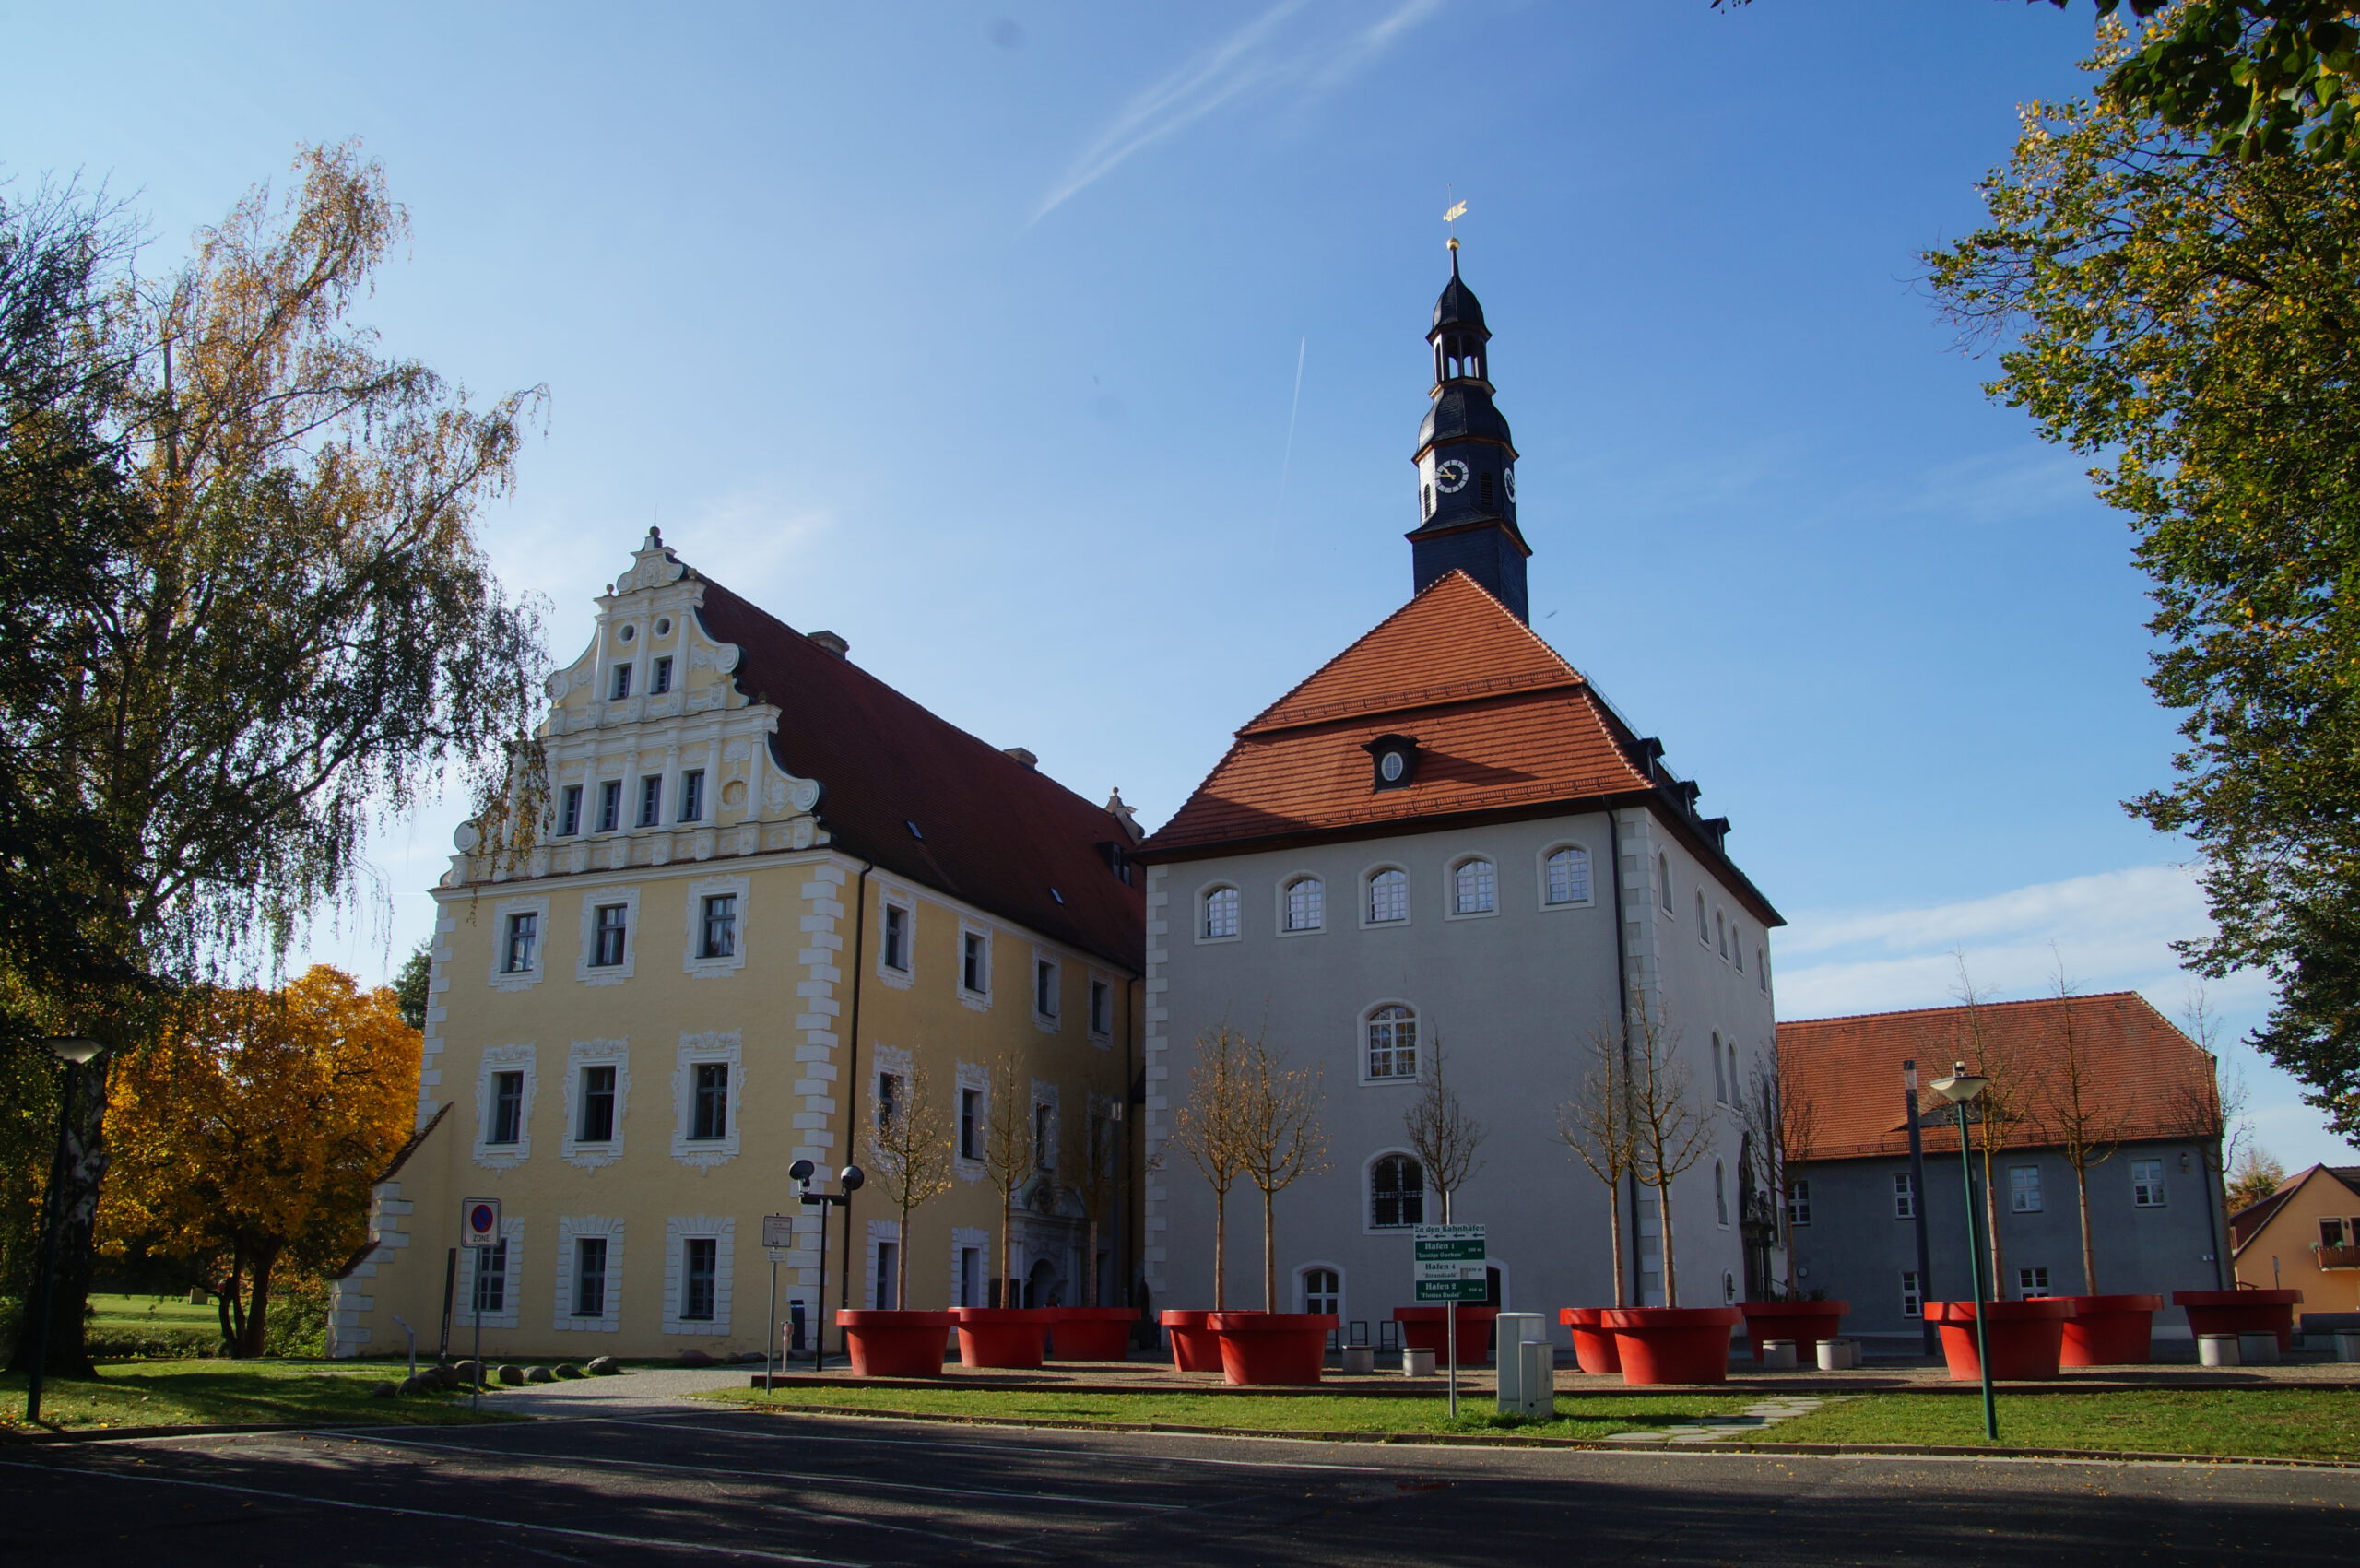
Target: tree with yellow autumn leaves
247,1140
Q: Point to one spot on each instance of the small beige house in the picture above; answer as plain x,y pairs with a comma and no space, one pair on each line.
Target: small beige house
768,889
2305,1236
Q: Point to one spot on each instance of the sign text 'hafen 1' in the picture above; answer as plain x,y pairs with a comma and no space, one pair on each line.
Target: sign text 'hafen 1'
1437,1244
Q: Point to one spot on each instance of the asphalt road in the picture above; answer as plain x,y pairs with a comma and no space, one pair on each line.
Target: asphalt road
722,1487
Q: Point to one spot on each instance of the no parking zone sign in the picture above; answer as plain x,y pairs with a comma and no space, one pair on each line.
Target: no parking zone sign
479,1223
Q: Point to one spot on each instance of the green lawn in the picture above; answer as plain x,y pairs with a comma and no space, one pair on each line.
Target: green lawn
213,1393
2274,1423
1306,1412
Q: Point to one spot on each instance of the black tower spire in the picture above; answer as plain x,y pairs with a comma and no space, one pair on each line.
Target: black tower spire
1467,461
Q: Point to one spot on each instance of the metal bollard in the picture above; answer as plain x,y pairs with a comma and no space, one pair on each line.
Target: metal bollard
2218,1350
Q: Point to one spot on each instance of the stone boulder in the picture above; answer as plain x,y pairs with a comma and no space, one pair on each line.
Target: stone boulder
540,1375
694,1357
567,1369
386,1391
511,1375
603,1366
466,1372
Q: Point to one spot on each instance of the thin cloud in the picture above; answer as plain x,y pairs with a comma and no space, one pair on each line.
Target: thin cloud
1245,63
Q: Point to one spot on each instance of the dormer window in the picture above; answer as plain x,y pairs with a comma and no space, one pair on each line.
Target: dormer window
1393,759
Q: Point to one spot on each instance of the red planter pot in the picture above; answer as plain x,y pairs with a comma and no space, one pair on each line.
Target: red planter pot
2241,1311
1003,1336
1263,1348
1672,1344
1427,1329
896,1344
1194,1347
1594,1345
2110,1331
1806,1323
2027,1339
1090,1333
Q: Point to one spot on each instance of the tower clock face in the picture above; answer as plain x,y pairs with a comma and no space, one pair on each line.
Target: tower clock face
1450,476
1510,478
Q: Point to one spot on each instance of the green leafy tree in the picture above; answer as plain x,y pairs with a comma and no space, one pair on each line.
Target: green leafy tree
290,633
411,983
2193,320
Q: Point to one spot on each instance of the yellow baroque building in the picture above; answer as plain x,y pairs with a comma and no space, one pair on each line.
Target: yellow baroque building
769,893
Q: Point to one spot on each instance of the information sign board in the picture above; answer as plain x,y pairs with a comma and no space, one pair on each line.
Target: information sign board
778,1231
479,1223
1474,1290
1439,1244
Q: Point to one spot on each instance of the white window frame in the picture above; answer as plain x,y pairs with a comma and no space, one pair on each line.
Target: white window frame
1590,876
977,1077
1100,984
1663,886
2153,1193
1284,915
893,898
1202,909
1302,1287
2019,1191
1799,1201
1720,1072
2026,1285
704,1153
883,1233
1048,1022
521,979
512,1273
965,1239
1408,904
1417,1045
1451,868
1368,1194
1703,931
504,1156
581,1054
701,967
611,1313
1912,1296
1905,1196
1045,1096
592,901
981,1000
678,1231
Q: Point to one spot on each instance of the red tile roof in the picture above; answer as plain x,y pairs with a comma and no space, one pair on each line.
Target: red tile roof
998,834
1503,726
2145,1079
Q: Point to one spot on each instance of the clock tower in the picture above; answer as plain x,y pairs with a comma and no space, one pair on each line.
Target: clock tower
1467,461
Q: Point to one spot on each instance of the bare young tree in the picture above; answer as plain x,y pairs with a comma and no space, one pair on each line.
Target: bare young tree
1279,1140
1596,1125
2209,1110
2001,1107
1206,1129
2074,1109
1782,1119
910,1152
1669,1133
1089,1159
1440,1131
1009,1160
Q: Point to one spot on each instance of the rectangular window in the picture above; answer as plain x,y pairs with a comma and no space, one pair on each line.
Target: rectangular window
889,1099
717,931
659,677
1905,1197
699,1270
651,799
1912,1296
971,1275
569,812
1102,1007
590,1276
1798,1202
610,806
1044,1121
2333,1233
2031,1284
692,795
524,936
1045,987
491,1277
507,1124
608,935
708,1111
597,1105
971,1118
897,939
974,963
623,682
889,1265
2147,1184
2024,1189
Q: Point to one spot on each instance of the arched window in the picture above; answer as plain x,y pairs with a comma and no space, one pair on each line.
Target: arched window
1397,1193
1721,1193
1388,896
1567,876
1737,947
1306,904
1720,1084
1426,494
1663,881
1393,1041
1474,887
1722,933
1221,912
1323,1291
1704,932
1736,1091
1762,970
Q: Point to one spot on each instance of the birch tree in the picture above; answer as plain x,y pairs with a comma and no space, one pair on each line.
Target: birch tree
912,1145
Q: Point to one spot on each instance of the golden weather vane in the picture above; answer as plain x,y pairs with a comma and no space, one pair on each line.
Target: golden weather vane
1457,210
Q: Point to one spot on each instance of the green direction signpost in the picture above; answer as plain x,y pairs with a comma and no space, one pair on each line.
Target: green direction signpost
1450,1264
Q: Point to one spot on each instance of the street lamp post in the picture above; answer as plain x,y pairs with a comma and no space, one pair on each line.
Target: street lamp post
848,1181
1961,1089
73,1050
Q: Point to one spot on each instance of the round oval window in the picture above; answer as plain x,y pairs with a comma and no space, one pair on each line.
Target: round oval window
1390,766
629,633
663,628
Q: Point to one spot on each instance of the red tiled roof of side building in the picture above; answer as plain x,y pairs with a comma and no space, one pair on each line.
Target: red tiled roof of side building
998,834
2141,1078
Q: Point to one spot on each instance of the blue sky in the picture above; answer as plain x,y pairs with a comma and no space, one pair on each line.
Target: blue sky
972,332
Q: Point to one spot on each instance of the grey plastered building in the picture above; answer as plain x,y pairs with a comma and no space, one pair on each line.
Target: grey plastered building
2157,1220
1447,837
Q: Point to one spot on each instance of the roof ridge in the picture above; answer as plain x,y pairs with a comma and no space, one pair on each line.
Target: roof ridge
1963,1006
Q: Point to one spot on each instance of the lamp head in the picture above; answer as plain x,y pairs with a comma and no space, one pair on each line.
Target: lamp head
851,1178
801,1171
1962,1087
73,1048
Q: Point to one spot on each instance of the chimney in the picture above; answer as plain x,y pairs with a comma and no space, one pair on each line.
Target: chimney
1022,755
831,642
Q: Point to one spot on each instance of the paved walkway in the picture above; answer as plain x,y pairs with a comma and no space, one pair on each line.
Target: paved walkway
634,1393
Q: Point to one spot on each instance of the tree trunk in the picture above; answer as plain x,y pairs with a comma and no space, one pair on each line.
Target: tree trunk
1992,1223
1007,1226
1221,1245
1269,1254
75,1173
1663,1223
1784,1199
1090,1263
2089,1247
1614,1239
902,1264
250,1343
